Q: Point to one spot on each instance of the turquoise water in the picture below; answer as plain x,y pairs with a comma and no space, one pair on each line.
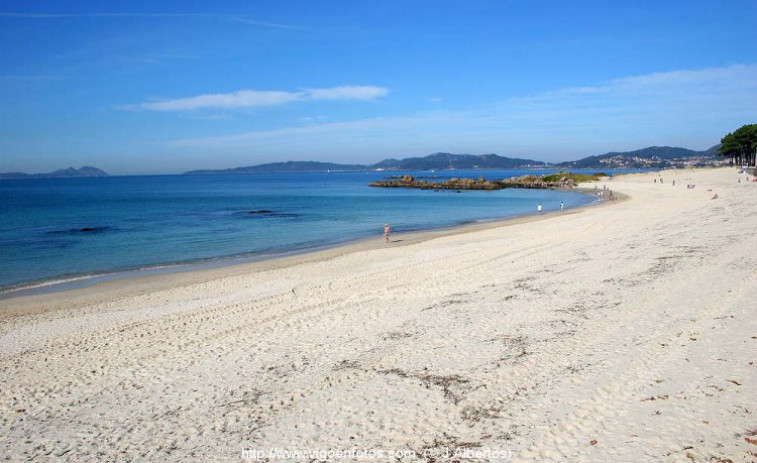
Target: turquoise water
54,229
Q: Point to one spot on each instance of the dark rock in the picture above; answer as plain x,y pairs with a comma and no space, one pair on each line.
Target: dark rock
266,213
525,181
77,231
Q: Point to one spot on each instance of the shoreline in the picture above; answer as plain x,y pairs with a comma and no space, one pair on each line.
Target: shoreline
264,261
612,333
76,268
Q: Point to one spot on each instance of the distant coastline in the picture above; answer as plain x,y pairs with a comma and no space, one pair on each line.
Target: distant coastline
654,157
86,171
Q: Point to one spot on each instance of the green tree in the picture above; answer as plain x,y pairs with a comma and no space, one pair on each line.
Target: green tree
729,147
741,145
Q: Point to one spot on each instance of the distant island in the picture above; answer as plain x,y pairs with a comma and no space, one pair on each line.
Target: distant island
655,157
86,171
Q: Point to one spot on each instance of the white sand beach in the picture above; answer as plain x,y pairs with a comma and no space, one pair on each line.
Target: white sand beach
623,332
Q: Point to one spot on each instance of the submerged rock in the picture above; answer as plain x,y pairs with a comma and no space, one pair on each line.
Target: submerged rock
268,213
82,230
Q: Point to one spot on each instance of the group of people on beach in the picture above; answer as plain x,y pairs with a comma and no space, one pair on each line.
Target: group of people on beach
745,173
689,186
539,208
605,193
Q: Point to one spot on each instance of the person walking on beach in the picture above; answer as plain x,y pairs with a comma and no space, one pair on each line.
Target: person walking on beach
387,232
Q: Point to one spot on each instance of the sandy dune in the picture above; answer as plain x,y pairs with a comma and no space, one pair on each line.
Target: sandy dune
623,332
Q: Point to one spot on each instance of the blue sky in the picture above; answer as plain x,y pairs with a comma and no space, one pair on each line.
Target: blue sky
165,87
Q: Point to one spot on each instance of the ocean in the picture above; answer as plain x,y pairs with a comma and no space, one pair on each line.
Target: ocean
54,230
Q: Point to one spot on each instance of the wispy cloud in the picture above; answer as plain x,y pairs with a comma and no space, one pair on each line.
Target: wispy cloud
244,19
354,92
688,107
30,78
704,81
240,99
255,22
310,130
257,98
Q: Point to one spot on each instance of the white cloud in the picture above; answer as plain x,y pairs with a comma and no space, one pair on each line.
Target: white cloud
365,92
240,99
257,98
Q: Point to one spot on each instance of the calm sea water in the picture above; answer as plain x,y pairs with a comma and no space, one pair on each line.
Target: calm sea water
54,229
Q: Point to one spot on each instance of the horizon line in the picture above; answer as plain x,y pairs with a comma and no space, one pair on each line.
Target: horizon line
369,166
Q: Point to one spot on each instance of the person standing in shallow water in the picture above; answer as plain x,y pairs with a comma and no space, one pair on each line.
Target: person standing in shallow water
538,208
387,232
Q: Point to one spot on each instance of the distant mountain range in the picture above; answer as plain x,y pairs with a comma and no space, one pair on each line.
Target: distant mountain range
289,166
436,161
85,171
448,161
652,157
